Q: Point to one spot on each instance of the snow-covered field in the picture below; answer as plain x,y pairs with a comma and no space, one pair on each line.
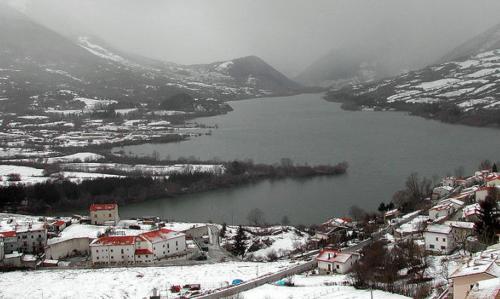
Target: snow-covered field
318,287
124,282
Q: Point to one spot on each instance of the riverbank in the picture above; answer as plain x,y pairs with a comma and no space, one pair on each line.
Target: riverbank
36,190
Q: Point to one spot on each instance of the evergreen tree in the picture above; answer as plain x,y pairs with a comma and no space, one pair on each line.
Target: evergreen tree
239,242
223,230
494,167
382,208
285,221
489,222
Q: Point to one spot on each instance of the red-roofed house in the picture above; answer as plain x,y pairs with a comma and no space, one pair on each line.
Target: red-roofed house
10,243
493,180
104,213
482,192
333,261
113,249
144,248
165,242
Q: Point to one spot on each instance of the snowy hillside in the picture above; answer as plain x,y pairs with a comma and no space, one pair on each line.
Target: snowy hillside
465,91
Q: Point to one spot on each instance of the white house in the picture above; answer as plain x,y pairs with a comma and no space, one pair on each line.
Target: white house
114,249
445,208
144,248
32,237
441,191
439,238
101,214
165,242
493,180
333,261
482,192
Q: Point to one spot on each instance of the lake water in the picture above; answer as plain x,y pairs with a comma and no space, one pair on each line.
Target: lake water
382,149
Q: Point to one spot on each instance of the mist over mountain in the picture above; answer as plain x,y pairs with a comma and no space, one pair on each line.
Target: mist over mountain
38,67
486,41
463,88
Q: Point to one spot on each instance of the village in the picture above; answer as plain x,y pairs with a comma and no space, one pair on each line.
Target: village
444,249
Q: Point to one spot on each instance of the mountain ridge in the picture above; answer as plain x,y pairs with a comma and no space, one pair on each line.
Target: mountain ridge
37,63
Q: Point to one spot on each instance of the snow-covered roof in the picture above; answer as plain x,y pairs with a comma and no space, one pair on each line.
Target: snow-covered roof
115,240
333,256
460,224
485,289
478,267
103,207
470,210
438,229
159,235
391,212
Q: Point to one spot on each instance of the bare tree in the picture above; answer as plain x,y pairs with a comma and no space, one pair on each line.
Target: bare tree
256,217
459,172
357,213
485,165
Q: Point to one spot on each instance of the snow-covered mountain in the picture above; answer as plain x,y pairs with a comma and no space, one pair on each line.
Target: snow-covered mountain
39,67
465,89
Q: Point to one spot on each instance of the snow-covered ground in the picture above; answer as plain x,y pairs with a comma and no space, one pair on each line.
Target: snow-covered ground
125,282
320,287
31,175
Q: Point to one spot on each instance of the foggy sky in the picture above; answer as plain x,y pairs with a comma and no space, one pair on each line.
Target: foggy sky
289,34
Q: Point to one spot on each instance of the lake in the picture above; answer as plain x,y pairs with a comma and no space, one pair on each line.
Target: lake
382,149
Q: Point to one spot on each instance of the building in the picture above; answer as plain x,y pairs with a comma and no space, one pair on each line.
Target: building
465,278
113,249
493,180
471,212
439,238
484,191
445,208
485,289
2,252
58,249
9,241
101,214
441,191
165,242
390,215
144,248
31,237
333,261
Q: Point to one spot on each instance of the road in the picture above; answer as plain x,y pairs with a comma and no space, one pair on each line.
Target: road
304,267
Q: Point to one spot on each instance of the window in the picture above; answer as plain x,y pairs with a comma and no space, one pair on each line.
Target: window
176,243
443,247
338,267
168,245
437,239
112,257
431,246
97,250
110,215
111,250
95,215
32,236
97,258
444,240
122,251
